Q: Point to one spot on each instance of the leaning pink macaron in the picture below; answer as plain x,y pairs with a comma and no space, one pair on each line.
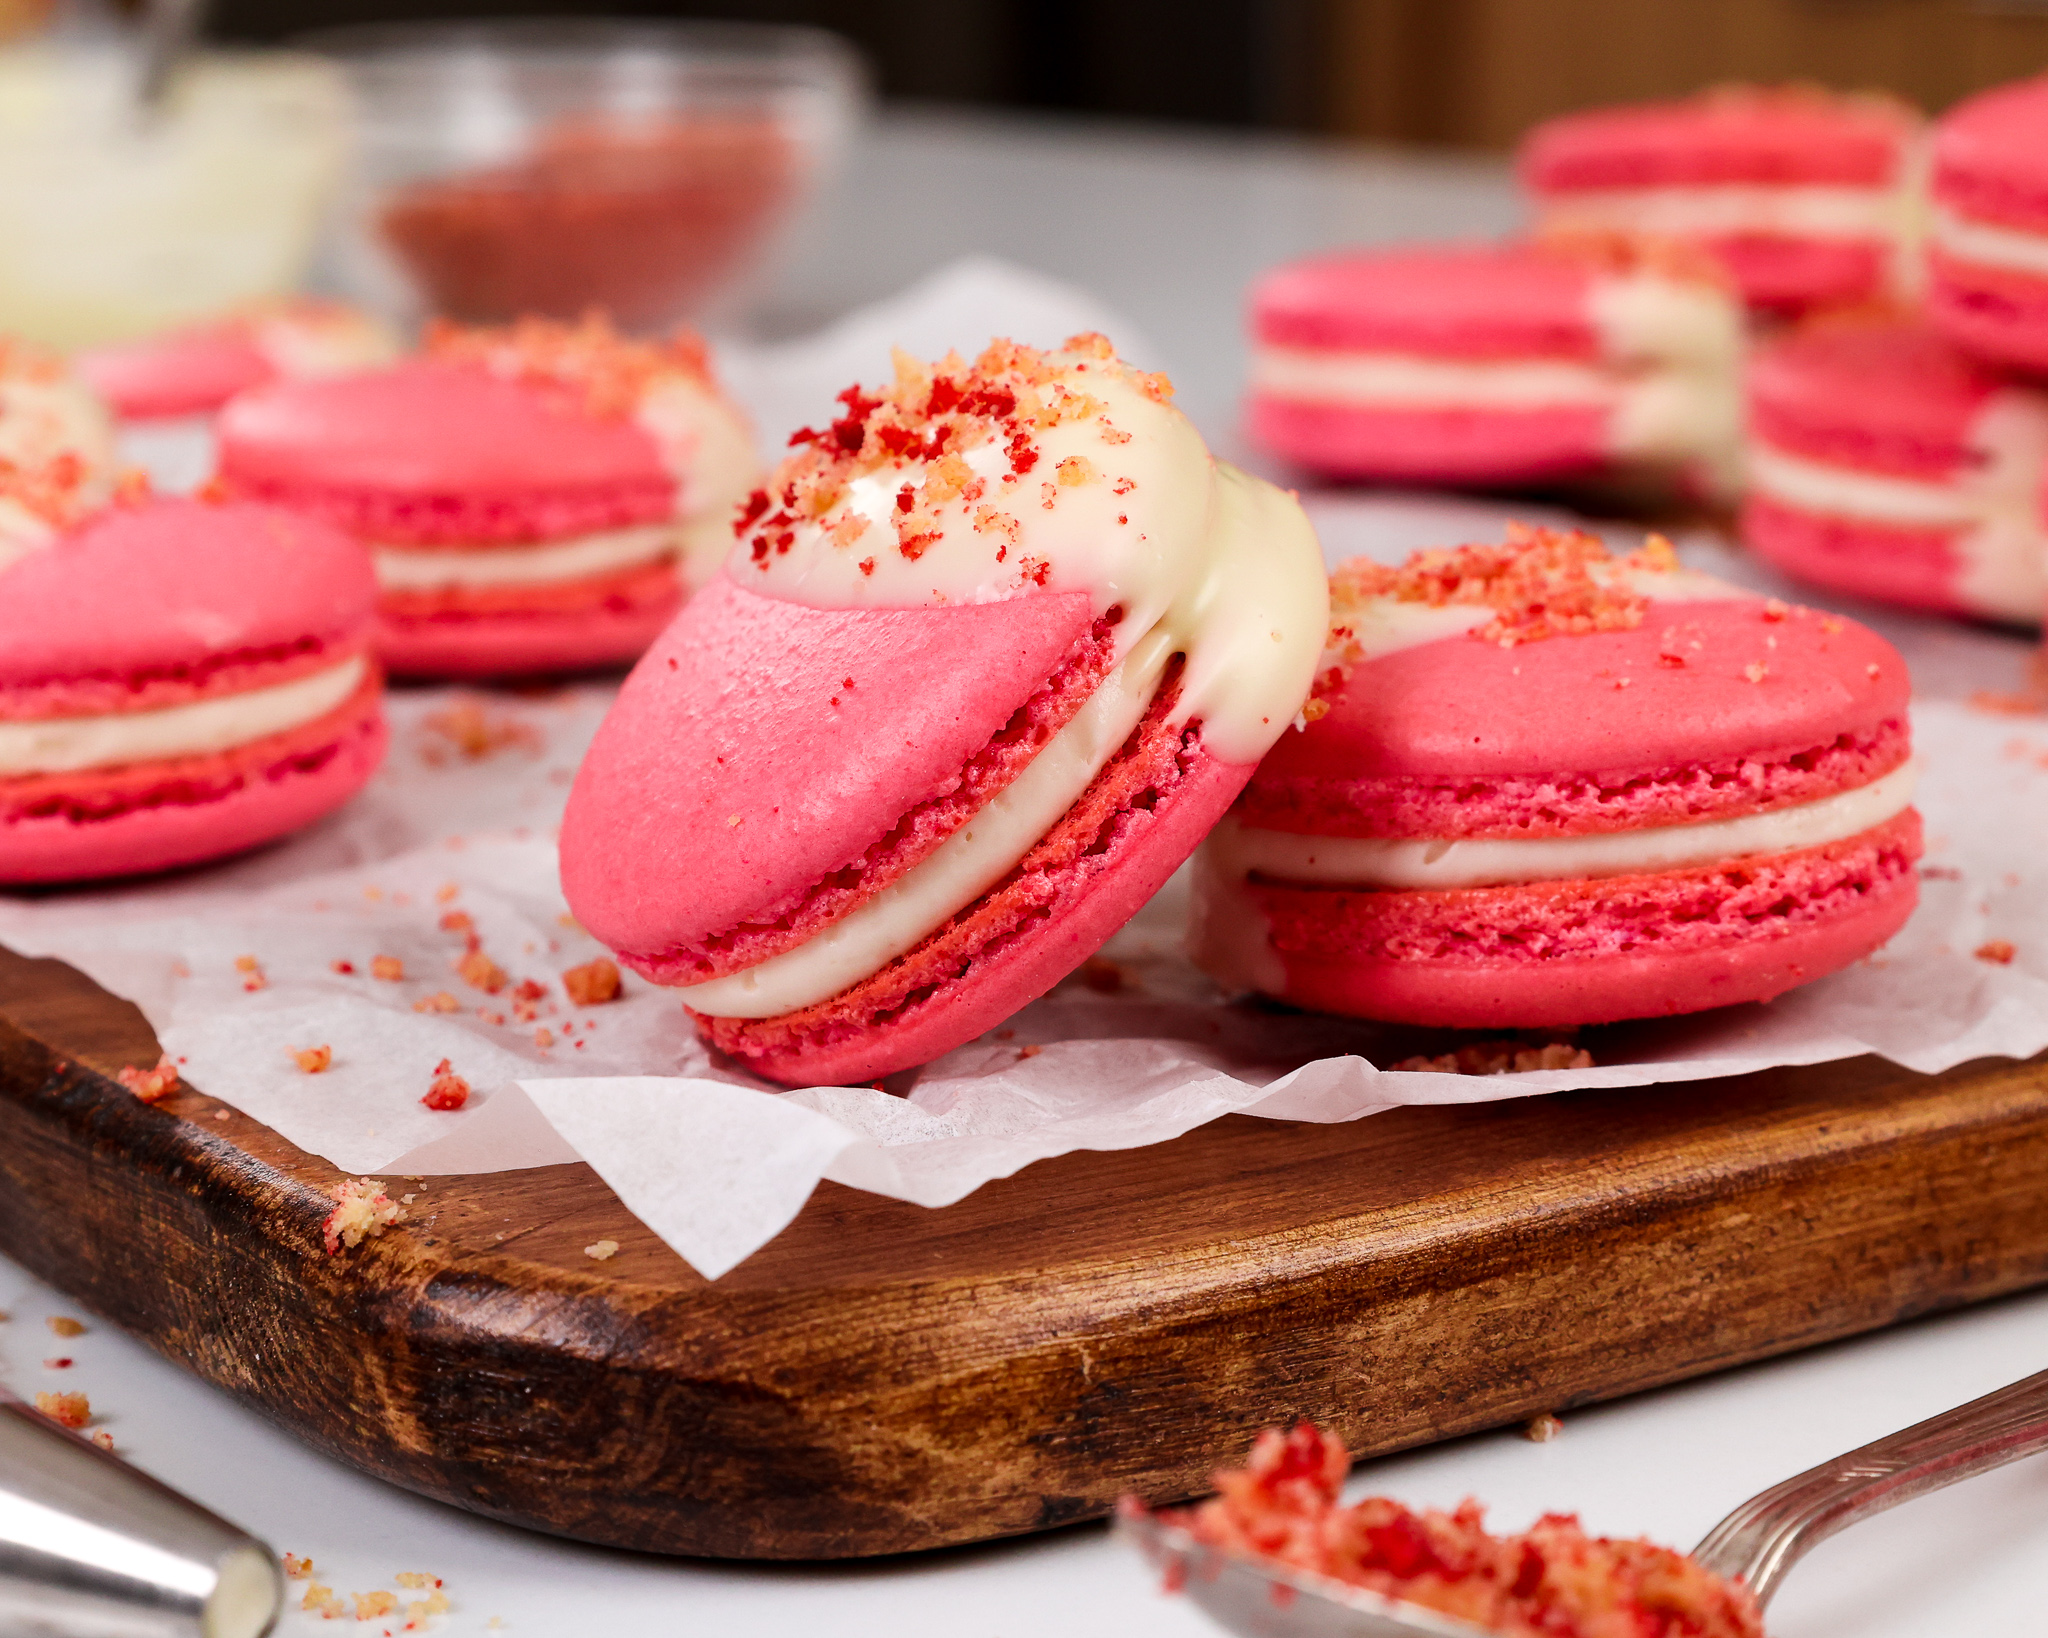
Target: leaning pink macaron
195,371
1497,363
1544,787
1886,464
1804,195
179,681
535,499
995,648
1988,242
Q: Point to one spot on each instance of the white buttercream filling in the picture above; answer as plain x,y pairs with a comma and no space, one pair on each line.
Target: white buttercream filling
1840,491
1991,244
425,568
1802,210
1419,863
1644,318
966,865
73,744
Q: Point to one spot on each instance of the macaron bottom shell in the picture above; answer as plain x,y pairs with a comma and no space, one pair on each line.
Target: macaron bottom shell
571,627
150,816
1784,273
1143,815
1559,954
1433,444
1998,314
1911,568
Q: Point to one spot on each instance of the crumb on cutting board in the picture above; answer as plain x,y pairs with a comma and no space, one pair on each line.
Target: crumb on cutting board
602,1250
150,1085
362,1211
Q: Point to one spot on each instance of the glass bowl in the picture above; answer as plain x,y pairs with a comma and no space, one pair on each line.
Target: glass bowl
560,166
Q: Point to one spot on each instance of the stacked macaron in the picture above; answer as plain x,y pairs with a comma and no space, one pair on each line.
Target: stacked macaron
1884,463
1545,787
1988,246
995,648
1805,196
195,371
535,498
1498,364
179,681
56,449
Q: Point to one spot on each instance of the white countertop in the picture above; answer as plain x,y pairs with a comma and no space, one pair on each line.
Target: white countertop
1167,228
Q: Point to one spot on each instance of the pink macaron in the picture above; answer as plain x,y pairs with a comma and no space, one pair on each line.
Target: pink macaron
1885,463
1805,196
194,371
995,647
535,499
1988,242
1546,787
180,680
1497,363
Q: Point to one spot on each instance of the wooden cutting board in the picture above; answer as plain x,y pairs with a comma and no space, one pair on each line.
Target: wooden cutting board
883,1378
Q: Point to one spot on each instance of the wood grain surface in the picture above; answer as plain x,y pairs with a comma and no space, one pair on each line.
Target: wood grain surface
883,1378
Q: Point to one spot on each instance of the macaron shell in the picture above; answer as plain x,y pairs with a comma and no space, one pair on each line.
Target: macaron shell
157,816
527,644
1989,159
1461,446
1998,314
1912,568
1463,708
1754,138
1785,274
762,745
176,584
1557,954
1510,300
192,372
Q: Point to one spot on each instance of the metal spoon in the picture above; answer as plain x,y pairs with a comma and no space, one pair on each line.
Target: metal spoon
1757,1543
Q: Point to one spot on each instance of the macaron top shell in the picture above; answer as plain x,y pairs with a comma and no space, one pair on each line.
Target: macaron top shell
172,588
1732,136
1991,155
1891,395
424,429
188,373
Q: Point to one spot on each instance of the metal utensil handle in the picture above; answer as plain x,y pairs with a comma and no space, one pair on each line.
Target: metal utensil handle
1768,1534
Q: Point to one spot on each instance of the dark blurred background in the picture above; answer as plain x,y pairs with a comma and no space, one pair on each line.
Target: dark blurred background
1466,73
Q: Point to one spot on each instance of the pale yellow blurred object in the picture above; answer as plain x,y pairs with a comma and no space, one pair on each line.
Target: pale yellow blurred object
117,226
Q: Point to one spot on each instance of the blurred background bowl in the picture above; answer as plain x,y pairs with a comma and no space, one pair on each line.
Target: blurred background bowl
554,166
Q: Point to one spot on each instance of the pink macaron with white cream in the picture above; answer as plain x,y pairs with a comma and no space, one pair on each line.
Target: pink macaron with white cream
1540,786
1988,242
995,648
1493,364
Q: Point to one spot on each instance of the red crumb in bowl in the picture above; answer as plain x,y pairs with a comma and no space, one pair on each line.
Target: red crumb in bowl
1554,1581
643,220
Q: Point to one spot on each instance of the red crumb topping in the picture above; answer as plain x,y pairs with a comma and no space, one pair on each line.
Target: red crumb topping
388,968
315,1060
593,983
1539,583
449,1091
1998,951
439,1001
67,1410
928,418
1554,1581
362,1211
481,972
54,492
150,1085
251,969
607,374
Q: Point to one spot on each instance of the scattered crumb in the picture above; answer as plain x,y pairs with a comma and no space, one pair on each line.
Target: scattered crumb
362,1212
439,1001
529,990
252,973
2024,704
1033,1051
104,1440
1006,1035
1101,974
1776,608
345,968
150,1085
64,1325
479,971
67,1410
458,921
370,1605
321,1601
543,1038
593,983
388,968
1756,671
435,1603
220,1114
1542,1429
476,733
602,1250
63,1362
416,1579
446,893
296,1568
449,1091
315,1060
495,1621
1999,951
1940,873
1499,1058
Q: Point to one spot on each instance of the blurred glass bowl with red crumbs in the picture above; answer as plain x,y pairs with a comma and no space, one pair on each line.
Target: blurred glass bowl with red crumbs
555,166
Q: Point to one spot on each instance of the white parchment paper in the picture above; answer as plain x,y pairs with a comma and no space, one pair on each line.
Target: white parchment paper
462,818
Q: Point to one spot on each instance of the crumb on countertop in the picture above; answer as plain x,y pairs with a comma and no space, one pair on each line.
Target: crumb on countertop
314,1060
67,1410
592,984
1998,951
439,1001
480,972
296,1568
449,1090
389,968
252,973
362,1211
64,1325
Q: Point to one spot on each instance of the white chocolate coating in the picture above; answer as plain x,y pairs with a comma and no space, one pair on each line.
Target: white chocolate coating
1437,863
705,442
73,744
